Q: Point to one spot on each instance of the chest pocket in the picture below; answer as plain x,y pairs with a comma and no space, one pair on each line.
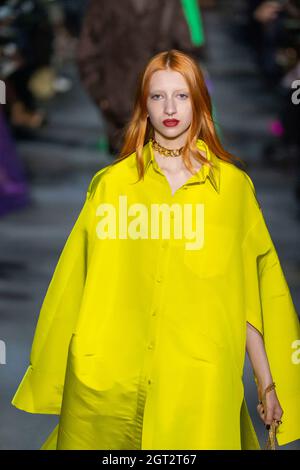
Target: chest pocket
212,259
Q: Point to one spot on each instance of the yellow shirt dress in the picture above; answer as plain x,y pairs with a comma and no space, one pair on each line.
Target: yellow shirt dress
141,339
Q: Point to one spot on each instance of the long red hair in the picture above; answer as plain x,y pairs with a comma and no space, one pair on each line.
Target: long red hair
139,128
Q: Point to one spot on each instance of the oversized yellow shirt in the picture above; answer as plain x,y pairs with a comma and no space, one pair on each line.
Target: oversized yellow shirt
140,342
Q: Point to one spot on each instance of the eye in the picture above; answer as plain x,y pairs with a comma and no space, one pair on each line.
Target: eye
153,96
183,95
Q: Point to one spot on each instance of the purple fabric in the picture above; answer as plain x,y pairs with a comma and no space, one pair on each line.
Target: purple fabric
14,191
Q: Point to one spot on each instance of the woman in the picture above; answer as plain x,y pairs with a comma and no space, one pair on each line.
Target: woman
167,277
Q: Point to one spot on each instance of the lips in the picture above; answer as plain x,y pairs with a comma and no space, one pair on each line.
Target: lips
170,122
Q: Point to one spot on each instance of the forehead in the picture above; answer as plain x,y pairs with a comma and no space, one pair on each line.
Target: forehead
167,79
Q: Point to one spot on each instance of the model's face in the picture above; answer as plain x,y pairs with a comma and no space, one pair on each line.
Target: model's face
169,98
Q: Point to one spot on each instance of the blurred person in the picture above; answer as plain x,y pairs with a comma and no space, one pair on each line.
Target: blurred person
73,11
290,118
14,190
141,338
285,151
266,30
117,39
28,30
269,25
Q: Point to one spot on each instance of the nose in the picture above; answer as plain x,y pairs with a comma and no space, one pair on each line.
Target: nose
170,107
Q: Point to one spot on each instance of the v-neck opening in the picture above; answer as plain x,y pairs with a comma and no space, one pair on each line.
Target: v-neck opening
196,176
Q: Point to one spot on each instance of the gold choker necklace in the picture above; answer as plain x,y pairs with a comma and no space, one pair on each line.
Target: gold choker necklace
164,151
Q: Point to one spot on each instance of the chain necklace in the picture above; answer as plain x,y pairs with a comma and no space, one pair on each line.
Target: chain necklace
164,151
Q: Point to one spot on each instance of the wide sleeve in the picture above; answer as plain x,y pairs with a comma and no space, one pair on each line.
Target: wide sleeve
41,388
270,309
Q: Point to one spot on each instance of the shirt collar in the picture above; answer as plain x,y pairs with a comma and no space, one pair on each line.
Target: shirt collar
213,174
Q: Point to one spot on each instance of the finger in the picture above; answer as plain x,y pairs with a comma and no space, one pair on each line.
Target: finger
278,412
277,418
269,416
260,411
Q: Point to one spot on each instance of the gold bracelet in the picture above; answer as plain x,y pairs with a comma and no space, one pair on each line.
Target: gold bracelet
270,387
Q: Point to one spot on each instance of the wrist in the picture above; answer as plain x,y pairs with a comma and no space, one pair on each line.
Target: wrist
262,383
263,380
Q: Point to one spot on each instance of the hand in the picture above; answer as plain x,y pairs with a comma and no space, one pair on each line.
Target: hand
270,408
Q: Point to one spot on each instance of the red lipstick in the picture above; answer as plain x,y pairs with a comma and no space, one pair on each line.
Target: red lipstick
170,122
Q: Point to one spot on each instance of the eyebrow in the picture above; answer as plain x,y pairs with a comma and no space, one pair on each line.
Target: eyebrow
162,91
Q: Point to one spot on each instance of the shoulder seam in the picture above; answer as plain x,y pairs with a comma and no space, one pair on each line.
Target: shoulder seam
249,179
90,186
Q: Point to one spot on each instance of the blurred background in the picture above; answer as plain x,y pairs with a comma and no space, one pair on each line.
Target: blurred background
68,71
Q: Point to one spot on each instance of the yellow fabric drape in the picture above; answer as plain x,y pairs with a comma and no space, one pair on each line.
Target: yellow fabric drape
140,342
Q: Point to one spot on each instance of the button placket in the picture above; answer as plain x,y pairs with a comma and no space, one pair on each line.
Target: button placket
153,329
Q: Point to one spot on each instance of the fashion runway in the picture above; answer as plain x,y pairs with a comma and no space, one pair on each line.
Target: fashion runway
61,163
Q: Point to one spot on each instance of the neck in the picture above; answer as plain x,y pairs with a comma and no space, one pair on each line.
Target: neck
173,165
170,143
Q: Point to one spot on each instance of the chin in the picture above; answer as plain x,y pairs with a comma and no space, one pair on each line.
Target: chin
170,132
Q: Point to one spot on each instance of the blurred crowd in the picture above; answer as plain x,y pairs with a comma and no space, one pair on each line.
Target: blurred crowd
32,37
271,30
110,42
273,33
36,38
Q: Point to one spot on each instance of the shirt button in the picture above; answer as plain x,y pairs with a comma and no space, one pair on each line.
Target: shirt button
149,381
150,346
154,313
159,278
